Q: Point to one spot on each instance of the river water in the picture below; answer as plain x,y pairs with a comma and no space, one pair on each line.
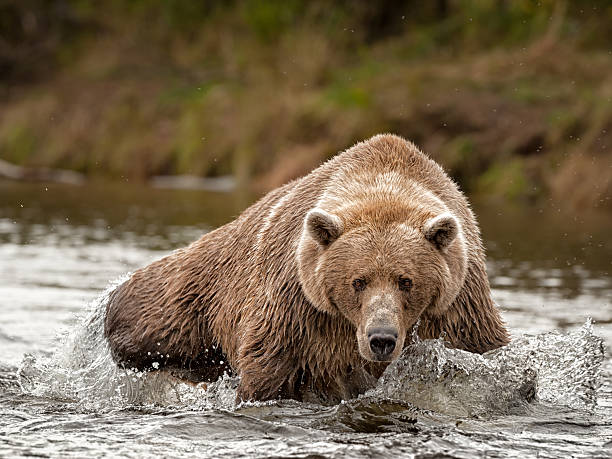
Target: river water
548,394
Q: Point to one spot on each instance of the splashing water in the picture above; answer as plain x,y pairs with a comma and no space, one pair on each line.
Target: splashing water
82,369
555,368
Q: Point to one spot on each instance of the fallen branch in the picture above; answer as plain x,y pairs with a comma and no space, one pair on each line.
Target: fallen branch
191,182
39,174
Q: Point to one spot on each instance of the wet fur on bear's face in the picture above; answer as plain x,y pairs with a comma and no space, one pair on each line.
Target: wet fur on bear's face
384,275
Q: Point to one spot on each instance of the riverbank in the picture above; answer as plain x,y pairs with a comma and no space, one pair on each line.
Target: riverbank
526,119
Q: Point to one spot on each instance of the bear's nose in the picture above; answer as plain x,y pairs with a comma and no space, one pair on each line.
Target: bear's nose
382,341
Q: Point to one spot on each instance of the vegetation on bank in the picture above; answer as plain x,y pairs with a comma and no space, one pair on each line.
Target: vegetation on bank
513,98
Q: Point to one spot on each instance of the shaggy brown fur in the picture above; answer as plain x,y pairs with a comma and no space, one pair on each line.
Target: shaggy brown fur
287,294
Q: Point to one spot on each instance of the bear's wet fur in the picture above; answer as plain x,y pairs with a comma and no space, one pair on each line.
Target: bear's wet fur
293,294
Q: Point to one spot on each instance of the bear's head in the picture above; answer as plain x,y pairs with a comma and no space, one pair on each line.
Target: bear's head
380,273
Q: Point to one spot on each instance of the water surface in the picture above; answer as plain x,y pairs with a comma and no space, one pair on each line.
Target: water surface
549,394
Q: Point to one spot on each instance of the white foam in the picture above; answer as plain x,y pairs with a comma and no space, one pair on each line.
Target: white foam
554,368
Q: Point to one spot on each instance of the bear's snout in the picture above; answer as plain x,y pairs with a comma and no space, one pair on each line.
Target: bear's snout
382,342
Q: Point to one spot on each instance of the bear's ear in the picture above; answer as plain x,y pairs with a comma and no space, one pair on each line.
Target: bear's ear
441,230
324,227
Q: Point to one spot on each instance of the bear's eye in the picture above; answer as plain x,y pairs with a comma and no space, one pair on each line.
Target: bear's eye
359,284
404,283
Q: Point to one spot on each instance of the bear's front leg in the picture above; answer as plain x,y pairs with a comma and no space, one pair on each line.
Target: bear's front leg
267,379
269,367
273,379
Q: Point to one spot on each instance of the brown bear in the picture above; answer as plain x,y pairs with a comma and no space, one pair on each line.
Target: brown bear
313,289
